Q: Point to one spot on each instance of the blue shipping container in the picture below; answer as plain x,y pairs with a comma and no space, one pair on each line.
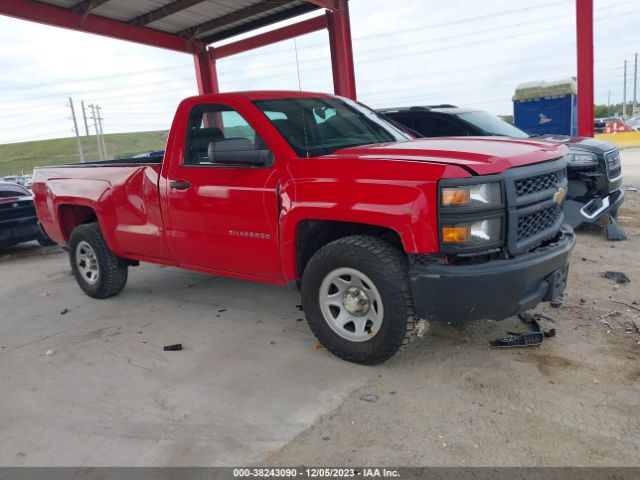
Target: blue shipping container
556,115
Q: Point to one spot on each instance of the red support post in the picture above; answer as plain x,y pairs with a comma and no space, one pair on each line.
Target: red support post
584,46
344,80
206,72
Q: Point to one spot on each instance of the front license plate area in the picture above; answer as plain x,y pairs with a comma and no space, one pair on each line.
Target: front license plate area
557,283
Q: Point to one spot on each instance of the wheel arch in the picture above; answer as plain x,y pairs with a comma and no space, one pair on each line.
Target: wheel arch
313,234
72,215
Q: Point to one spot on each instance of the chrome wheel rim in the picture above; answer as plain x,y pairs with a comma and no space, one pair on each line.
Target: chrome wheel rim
87,263
351,304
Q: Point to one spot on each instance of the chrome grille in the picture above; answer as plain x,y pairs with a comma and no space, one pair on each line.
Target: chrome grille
533,223
539,183
612,157
534,200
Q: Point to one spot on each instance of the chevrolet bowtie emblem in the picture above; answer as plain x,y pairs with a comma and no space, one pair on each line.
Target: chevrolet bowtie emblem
558,197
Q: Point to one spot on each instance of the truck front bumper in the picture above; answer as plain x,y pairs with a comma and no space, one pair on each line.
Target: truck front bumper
493,290
18,230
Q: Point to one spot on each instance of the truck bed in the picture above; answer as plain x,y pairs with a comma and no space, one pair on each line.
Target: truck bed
117,162
123,194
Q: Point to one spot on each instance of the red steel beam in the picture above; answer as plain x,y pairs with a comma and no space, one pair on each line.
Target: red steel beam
344,80
206,72
274,36
61,17
584,34
328,4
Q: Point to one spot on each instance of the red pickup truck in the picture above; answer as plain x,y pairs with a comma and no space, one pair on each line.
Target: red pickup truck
377,229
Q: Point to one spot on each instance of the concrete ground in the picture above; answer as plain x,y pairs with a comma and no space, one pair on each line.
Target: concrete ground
86,382
630,158
451,401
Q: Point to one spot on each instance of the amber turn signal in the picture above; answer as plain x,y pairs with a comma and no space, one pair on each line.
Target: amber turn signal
455,196
456,234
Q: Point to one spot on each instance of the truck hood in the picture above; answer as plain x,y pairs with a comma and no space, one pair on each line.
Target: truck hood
589,144
477,155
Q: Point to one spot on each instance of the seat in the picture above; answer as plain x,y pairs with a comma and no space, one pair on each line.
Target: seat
290,131
199,143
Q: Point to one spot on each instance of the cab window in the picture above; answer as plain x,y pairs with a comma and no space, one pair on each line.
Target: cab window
217,127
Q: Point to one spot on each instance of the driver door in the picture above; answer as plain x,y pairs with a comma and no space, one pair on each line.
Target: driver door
224,216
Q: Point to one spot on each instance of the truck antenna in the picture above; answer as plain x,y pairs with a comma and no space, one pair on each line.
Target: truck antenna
304,122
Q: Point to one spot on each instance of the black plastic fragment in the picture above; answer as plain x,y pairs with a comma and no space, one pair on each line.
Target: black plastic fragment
619,277
526,339
614,231
173,348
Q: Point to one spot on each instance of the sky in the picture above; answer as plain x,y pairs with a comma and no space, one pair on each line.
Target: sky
412,52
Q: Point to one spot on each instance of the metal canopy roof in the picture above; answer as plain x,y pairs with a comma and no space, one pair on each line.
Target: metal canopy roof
204,20
189,26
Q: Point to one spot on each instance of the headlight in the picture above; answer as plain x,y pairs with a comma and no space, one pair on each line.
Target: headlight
479,195
581,158
473,233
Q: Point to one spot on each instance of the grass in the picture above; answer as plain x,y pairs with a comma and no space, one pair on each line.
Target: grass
16,158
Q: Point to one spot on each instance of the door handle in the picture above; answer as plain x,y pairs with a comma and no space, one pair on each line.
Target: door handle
179,184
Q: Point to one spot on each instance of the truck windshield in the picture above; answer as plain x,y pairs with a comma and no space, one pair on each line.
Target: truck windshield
320,126
492,125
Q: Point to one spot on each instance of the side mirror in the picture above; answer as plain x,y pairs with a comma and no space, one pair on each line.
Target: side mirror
237,151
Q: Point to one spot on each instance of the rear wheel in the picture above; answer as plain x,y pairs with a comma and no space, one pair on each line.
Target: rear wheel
357,300
99,273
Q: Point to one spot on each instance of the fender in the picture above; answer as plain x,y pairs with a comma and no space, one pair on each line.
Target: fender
372,192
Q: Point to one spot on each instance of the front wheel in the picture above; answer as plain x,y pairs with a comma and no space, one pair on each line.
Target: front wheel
99,273
356,297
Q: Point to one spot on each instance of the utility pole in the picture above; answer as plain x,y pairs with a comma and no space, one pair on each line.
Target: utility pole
624,93
635,85
609,103
97,130
104,146
84,115
75,130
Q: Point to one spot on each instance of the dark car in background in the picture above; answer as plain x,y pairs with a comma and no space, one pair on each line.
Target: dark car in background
594,171
18,220
600,123
156,154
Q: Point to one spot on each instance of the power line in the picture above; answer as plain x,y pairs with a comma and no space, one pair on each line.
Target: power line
355,39
360,62
313,60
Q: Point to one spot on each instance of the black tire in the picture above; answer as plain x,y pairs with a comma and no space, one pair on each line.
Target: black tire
43,239
386,266
112,270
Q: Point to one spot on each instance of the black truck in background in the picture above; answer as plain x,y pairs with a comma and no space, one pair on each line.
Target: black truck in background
18,220
594,170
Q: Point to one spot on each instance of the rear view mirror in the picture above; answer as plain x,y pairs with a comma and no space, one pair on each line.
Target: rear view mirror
237,151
